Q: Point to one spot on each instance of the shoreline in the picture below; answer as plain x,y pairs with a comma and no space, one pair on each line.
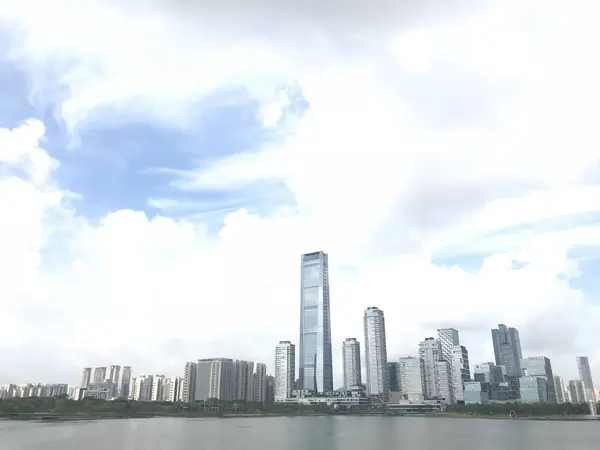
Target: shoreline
50,418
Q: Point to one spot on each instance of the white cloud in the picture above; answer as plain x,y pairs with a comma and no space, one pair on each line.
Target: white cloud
425,132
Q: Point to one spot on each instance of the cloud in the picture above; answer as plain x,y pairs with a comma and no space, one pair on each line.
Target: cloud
426,134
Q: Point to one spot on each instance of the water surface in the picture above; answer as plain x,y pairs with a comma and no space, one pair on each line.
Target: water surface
301,433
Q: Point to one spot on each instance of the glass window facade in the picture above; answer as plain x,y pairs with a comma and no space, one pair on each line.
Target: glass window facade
315,371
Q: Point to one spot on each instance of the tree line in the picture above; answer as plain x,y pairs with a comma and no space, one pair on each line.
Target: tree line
62,405
522,409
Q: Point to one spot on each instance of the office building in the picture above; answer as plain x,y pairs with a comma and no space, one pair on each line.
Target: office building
410,374
393,376
448,338
378,384
315,367
539,366
430,353
351,362
533,389
507,350
585,375
559,387
444,382
285,370
461,371
577,392
86,377
488,372
126,382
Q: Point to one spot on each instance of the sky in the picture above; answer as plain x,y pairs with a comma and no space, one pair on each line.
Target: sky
164,164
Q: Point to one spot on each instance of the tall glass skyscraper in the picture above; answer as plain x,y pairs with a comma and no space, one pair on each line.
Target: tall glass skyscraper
507,350
585,375
315,371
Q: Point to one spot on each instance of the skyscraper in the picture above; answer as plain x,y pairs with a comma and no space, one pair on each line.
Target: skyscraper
188,390
285,370
430,352
559,387
507,350
99,375
410,378
585,375
448,339
315,368
461,372
351,361
540,367
126,382
86,377
260,383
378,383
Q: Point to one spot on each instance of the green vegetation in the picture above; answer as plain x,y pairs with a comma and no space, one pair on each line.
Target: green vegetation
48,407
521,409
61,408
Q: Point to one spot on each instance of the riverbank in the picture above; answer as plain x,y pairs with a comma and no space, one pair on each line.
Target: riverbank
571,418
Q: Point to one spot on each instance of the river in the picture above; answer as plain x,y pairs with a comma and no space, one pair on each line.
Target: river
302,433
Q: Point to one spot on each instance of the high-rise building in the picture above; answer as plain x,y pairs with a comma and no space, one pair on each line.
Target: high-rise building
188,390
243,380
260,383
444,382
410,378
157,390
126,382
315,368
99,375
351,362
577,392
488,372
378,383
540,367
215,379
86,377
113,378
448,338
585,375
559,387
285,370
393,376
430,352
461,372
507,350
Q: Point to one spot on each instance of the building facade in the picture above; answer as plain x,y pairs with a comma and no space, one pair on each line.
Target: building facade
461,372
285,370
315,364
430,353
188,390
585,375
378,384
410,380
86,377
125,391
260,383
351,362
559,387
539,366
533,389
508,353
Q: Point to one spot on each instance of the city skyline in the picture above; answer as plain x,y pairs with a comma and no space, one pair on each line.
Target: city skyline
150,182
